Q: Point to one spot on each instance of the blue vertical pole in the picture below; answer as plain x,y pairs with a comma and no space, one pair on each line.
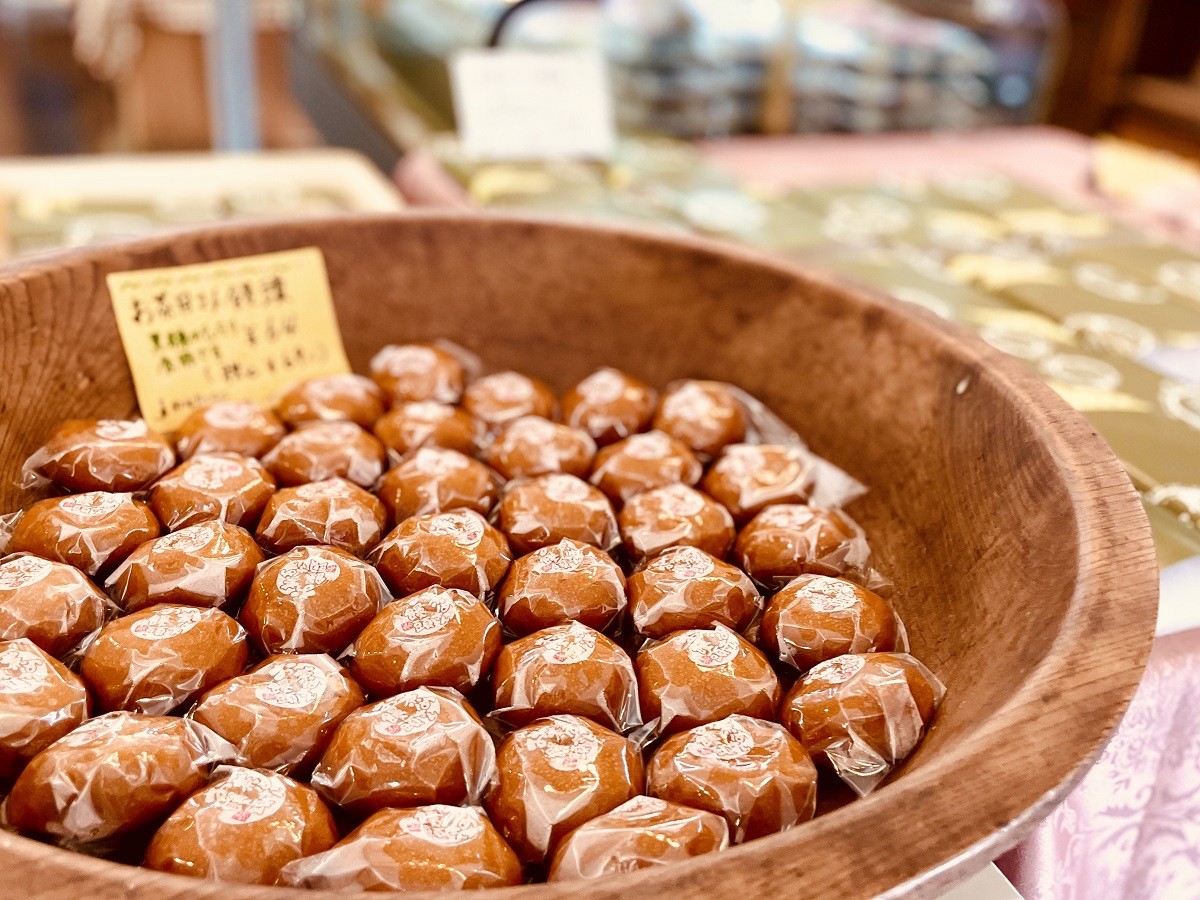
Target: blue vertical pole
232,77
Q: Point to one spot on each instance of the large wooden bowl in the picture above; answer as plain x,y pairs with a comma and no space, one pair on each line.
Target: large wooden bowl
1023,562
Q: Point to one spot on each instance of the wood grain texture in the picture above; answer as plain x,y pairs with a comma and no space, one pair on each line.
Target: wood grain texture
1022,558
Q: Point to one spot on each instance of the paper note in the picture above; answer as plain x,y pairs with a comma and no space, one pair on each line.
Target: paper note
237,329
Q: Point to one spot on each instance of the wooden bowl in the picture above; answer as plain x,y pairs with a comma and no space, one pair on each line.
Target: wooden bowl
1022,559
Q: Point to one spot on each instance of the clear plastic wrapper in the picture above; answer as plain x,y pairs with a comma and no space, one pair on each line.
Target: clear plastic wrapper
416,372
429,848
160,658
333,398
568,669
224,486
243,828
93,532
112,455
322,450
684,587
281,714
428,423
229,426
643,462
416,748
210,564
433,480
641,833
560,583
793,539
705,415
50,603
749,477
861,714
701,675
455,549
538,512
531,446
312,600
333,512
755,774
502,397
609,405
112,775
674,516
437,636
556,774
40,701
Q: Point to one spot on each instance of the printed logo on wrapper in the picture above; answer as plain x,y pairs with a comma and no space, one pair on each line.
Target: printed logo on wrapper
836,670
300,578
232,415
330,489
23,571
445,825
120,430
830,595
685,563
786,516
425,613
509,387
572,645
654,445
604,386
21,670
406,360
558,559
186,540
710,649
464,528
428,410
565,488
433,461
293,685
209,473
247,796
679,500
167,623
411,713
724,740
530,428
567,745
92,506
689,402
94,731
332,434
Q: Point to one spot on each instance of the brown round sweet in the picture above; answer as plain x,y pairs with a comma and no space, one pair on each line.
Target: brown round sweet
641,833
333,398
229,426
416,372
93,532
560,583
332,512
751,772
210,564
556,774
685,588
311,600
433,480
531,446
455,549
225,486
429,848
568,669
112,775
427,423
747,478
437,636
609,405
792,539
113,455
40,701
705,415
674,516
243,828
281,714
50,603
423,746
641,463
500,398
699,676
323,450
816,618
161,658
538,512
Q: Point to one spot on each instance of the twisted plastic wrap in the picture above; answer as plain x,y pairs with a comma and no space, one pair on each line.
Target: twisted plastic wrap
531,446
229,426
674,516
417,372
113,455
609,405
455,549
50,603
501,397
333,398
332,512
223,486
40,701
685,588
93,532
792,539
538,512
427,423
322,450
560,583
643,462
433,480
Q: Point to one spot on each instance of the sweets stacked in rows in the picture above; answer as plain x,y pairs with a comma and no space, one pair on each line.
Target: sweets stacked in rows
487,635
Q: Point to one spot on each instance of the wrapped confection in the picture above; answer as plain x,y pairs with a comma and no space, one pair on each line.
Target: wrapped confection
423,746
538,512
500,398
333,512
684,588
112,775
556,774
433,480
641,833
643,462
224,486
792,539
323,450
40,701
428,423
699,676
210,564
160,658
333,398
674,516
531,446
243,828
609,405
113,455
456,549
861,714
747,478
415,372
93,532
312,600
560,583
429,848
229,426
437,636
281,714
755,774
50,603
569,669
707,416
